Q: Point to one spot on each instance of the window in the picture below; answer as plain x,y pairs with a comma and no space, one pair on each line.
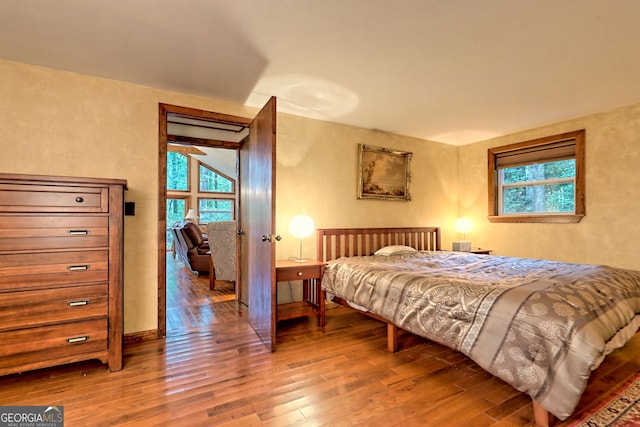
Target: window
219,208
213,181
176,210
177,171
541,180
216,209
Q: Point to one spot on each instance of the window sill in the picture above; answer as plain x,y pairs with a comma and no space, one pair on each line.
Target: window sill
558,219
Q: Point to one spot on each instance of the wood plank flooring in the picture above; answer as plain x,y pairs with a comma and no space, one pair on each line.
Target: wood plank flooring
190,302
219,373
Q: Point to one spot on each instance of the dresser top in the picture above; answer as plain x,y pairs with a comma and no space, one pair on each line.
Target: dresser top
53,180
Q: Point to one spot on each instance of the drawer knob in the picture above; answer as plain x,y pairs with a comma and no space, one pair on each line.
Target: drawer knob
79,199
299,273
78,303
77,267
77,339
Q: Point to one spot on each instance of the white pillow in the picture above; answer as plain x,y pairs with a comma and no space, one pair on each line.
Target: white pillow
394,250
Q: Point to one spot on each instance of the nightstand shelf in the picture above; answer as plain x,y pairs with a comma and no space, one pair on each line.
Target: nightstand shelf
293,310
310,274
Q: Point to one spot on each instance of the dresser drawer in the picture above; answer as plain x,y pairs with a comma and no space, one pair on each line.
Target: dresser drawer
61,343
52,269
53,198
38,233
41,307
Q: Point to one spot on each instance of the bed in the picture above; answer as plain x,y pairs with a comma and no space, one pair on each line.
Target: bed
540,326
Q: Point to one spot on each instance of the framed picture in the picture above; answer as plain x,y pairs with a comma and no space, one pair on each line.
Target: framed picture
383,173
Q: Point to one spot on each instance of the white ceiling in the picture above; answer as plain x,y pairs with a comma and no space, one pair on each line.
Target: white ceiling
454,71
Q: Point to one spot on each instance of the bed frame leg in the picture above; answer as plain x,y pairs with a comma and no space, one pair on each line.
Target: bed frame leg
542,417
392,338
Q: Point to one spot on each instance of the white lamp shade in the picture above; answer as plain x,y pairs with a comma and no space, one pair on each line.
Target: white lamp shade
191,214
301,226
463,225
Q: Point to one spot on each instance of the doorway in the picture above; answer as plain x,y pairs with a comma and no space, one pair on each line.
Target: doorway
189,128
201,190
256,209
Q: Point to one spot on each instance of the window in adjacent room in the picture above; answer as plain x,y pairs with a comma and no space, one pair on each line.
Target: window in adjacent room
541,180
176,210
177,171
214,181
221,206
216,209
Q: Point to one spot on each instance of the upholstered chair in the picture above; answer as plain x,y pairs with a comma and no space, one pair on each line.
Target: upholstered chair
222,242
191,247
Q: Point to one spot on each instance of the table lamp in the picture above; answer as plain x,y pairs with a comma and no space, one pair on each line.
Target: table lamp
463,226
301,226
191,216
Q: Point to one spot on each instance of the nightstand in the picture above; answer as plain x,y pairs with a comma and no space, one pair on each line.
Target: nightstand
310,273
479,251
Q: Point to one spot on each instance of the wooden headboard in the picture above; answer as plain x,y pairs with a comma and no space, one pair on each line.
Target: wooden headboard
334,243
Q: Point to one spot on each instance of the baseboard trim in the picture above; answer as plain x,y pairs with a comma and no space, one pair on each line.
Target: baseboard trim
136,337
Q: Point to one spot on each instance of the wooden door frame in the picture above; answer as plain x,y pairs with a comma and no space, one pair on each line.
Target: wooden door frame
163,110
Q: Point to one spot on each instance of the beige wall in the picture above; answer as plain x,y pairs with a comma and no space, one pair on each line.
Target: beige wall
317,174
59,123
608,232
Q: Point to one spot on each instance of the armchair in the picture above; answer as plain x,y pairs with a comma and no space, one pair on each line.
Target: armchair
222,241
191,247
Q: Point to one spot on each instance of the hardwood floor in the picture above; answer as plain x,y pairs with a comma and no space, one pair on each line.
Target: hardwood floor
215,371
190,302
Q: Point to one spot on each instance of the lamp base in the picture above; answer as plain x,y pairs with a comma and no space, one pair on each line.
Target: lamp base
462,246
296,259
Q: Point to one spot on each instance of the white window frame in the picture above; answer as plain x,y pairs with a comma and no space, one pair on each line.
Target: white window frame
542,182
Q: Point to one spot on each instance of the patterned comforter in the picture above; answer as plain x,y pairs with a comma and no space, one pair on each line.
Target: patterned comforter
540,326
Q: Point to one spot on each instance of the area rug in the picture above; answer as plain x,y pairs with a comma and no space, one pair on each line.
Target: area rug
622,409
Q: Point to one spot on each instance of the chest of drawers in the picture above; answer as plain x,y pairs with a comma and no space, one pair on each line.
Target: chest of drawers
61,271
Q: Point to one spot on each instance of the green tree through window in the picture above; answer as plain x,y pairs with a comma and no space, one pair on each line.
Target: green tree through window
176,210
542,187
214,181
541,180
177,171
216,210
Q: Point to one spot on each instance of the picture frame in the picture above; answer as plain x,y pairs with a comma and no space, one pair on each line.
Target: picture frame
383,173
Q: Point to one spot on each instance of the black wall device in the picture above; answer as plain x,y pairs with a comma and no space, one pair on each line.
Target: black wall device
130,208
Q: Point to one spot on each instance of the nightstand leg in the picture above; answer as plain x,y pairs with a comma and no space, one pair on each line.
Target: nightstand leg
322,297
305,290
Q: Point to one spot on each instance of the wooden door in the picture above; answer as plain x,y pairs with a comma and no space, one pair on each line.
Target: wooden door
257,223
